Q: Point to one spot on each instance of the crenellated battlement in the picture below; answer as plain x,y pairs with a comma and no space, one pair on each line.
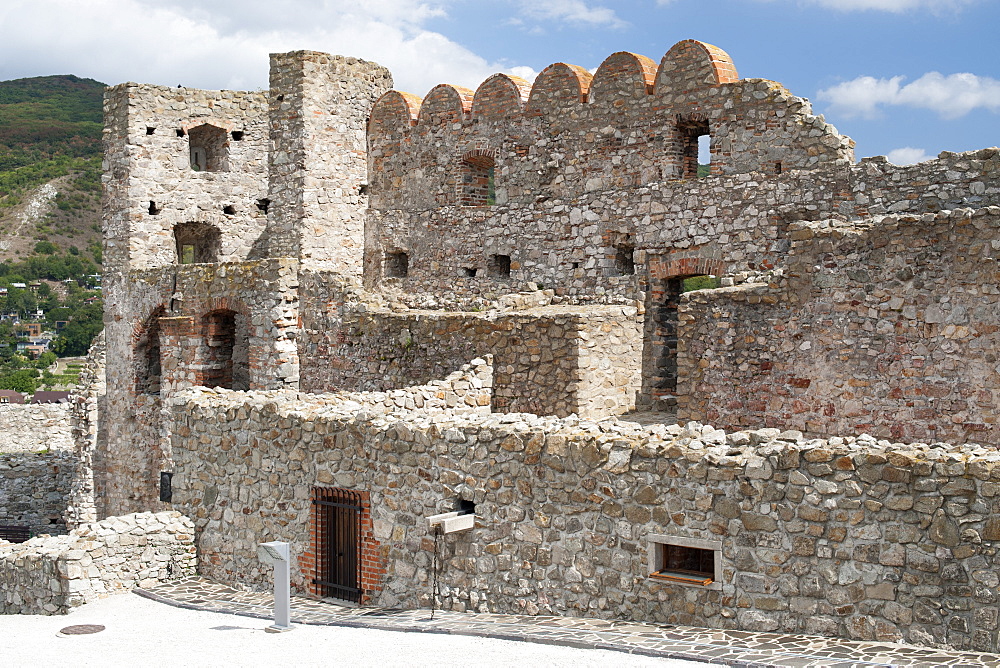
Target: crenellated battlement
631,123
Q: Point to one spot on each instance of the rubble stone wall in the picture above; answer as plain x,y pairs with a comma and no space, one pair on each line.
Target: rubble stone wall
851,537
37,465
34,489
888,328
166,309
553,360
35,427
318,179
52,575
149,183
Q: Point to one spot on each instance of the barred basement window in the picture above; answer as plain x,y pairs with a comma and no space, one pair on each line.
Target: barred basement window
688,562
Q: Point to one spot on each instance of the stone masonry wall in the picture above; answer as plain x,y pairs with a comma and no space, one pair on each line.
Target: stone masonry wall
150,186
37,466
34,489
52,575
888,328
851,537
549,360
34,427
319,106
163,315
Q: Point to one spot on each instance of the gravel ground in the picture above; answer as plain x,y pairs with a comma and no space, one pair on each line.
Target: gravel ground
141,632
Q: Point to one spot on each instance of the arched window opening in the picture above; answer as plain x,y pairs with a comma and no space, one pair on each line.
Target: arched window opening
147,357
225,351
695,142
478,184
209,148
197,243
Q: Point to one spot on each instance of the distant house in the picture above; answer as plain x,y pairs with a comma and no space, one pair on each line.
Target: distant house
3,292
50,397
11,397
22,286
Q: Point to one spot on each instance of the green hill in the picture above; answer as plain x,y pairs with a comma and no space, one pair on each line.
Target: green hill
50,163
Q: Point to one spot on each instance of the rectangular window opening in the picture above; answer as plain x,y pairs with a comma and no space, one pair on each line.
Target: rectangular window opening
685,561
470,272
624,262
237,135
695,154
499,266
150,130
154,209
397,265
187,254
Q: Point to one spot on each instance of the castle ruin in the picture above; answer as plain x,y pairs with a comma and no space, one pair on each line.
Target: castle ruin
334,294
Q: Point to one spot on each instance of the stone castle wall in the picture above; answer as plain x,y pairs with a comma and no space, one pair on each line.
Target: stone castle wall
151,187
888,328
52,575
848,537
549,359
34,487
37,466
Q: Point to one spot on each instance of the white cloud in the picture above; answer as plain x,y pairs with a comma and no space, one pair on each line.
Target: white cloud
950,96
573,11
225,43
908,156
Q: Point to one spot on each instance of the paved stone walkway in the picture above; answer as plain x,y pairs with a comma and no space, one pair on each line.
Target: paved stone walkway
732,648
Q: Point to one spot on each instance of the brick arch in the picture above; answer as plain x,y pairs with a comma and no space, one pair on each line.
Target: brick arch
502,96
558,87
622,75
445,104
690,65
393,112
146,353
224,355
667,267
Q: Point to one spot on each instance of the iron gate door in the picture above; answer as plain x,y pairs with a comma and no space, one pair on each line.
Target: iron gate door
338,539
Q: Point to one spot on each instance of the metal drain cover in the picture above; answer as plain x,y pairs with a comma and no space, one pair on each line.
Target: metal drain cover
81,629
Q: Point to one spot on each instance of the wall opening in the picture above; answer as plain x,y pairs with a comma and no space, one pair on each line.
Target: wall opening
263,204
499,266
685,561
469,272
478,181
146,358
659,378
209,148
154,210
229,210
225,351
624,260
694,138
237,135
397,264
150,130
344,562
197,243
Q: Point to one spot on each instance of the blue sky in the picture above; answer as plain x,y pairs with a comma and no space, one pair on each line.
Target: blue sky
904,78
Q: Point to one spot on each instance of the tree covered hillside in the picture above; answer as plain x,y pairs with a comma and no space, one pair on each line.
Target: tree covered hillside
50,252
50,163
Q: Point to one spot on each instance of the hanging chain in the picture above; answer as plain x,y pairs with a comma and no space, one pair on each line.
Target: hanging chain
435,590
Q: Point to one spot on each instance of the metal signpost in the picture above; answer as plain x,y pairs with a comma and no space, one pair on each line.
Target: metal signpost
276,553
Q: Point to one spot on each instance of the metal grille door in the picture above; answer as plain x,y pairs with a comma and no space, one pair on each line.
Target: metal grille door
338,539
